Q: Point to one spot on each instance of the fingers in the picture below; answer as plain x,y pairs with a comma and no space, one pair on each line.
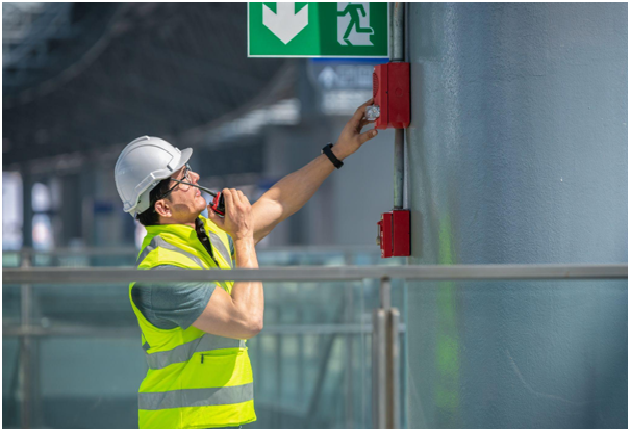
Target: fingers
229,202
359,113
242,197
364,122
238,219
366,136
237,196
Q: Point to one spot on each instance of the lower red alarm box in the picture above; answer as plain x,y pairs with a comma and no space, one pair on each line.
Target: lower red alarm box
394,233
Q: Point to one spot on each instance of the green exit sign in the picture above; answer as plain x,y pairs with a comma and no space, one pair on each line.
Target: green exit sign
315,29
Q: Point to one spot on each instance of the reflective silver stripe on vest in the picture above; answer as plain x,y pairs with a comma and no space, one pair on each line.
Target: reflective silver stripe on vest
184,352
220,246
195,397
157,241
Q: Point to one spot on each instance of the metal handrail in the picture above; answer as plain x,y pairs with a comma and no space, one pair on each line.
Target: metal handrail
131,250
385,329
10,329
97,275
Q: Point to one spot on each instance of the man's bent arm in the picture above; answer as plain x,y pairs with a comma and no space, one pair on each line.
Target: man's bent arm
239,315
288,195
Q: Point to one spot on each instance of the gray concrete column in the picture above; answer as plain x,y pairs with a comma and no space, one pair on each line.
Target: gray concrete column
518,154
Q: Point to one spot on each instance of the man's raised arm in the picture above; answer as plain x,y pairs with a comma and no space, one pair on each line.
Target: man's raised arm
288,195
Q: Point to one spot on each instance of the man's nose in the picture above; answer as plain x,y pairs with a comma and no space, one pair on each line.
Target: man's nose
195,177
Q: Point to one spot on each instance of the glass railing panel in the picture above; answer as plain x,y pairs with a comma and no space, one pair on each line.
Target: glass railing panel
79,257
311,362
10,382
11,304
10,259
496,354
398,295
125,256
311,358
84,381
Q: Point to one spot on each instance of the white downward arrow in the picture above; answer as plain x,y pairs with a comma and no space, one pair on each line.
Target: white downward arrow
285,24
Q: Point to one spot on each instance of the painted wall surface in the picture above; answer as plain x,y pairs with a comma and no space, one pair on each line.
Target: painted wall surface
518,154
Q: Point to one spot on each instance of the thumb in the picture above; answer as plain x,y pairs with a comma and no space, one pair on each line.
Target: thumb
366,136
213,216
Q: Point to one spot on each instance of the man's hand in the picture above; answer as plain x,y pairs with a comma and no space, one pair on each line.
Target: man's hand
240,314
238,221
350,139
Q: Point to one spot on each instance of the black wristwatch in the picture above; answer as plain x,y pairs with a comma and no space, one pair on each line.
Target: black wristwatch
327,151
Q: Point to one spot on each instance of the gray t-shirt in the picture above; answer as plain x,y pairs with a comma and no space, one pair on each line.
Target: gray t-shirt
172,306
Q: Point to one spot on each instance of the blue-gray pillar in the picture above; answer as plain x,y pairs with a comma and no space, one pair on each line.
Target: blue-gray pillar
518,154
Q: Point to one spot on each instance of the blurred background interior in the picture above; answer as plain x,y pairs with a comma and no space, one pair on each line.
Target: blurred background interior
517,153
80,81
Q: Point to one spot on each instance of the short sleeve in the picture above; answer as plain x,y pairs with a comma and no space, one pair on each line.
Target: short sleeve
231,248
171,306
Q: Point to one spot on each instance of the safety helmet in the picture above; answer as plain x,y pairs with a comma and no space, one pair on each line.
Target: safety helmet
141,166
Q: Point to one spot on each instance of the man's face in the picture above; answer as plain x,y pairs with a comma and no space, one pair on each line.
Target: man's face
185,202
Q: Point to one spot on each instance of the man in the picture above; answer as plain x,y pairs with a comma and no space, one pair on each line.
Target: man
194,334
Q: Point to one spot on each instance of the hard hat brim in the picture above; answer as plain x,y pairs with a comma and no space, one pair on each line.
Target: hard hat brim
143,201
186,154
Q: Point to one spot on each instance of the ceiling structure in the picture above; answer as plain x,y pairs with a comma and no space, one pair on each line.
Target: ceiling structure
81,77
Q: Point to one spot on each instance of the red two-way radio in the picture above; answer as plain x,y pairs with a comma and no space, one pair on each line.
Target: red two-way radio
218,203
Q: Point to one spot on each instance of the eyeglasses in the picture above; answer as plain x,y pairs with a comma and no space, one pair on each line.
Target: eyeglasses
186,175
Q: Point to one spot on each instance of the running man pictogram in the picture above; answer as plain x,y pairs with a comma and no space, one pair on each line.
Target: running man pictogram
354,10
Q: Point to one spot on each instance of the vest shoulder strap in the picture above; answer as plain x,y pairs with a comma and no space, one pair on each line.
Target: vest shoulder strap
219,240
158,251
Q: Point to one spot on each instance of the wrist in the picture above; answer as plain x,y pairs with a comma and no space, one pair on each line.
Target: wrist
244,238
339,152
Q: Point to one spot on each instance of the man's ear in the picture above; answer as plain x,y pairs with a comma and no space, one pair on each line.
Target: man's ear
162,208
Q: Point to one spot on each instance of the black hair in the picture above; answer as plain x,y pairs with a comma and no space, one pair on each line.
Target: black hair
150,215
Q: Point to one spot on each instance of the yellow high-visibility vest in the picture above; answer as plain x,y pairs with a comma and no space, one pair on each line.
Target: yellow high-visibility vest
195,379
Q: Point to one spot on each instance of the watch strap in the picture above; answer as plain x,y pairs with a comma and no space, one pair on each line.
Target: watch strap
327,151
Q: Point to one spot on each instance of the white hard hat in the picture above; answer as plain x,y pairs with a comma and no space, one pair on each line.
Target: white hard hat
141,166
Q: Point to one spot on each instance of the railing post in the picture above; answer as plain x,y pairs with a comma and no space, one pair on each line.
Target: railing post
384,293
349,361
392,369
25,351
386,405
379,369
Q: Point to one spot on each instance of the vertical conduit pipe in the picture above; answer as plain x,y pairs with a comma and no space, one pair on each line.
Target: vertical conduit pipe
398,56
386,319
392,345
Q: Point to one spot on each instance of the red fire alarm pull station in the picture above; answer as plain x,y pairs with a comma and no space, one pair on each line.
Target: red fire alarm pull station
391,91
394,233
